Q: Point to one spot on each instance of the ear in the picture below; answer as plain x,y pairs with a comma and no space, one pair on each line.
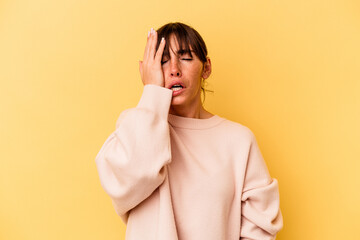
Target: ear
206,69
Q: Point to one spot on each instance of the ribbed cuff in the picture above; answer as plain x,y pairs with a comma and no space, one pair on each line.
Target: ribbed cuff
156,99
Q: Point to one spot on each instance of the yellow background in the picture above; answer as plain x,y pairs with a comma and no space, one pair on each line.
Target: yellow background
289,70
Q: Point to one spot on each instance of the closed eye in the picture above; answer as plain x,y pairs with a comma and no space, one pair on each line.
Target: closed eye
187,59
162,62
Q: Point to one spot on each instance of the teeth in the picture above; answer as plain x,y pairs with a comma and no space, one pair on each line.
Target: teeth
176,88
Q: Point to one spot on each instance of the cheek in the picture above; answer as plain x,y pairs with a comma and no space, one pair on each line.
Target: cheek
196,75
164,69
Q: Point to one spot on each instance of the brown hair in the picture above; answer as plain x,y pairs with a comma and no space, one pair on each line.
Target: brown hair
187,37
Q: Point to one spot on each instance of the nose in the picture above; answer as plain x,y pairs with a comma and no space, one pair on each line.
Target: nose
175,70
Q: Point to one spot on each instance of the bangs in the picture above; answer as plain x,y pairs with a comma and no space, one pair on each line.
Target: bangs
184,46
187,38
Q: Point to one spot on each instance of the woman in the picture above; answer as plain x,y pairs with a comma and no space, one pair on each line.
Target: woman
174,170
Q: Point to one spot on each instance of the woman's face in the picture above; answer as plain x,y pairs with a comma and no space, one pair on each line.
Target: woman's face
182,74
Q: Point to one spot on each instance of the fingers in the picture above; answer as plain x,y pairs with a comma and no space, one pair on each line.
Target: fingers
140,68
150,48
150,68
160,50
149,45
153,39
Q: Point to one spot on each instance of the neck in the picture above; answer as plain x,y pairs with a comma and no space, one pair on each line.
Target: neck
197,111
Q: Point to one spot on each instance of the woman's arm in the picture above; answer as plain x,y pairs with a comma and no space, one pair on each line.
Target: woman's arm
131,161
261,215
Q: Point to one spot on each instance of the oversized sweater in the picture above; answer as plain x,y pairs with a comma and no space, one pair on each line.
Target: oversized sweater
177,178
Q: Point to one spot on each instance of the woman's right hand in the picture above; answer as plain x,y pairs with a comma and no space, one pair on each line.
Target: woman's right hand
150,68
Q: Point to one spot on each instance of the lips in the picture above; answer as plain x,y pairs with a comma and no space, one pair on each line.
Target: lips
177,87
177,91
176,84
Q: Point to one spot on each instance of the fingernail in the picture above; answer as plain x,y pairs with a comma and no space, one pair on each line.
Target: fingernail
148,33
162,39
152,30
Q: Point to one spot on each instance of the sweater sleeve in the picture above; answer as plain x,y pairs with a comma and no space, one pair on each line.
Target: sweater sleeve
131,162
261,215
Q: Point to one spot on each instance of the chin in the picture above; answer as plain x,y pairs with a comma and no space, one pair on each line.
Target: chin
176,102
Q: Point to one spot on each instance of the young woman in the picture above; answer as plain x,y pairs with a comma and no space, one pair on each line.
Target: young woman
176,171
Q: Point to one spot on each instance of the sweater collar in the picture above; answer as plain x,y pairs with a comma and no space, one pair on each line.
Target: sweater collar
194,123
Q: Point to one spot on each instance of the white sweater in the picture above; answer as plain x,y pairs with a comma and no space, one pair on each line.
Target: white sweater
171,177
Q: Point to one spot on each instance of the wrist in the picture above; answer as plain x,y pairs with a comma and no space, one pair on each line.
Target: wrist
155,83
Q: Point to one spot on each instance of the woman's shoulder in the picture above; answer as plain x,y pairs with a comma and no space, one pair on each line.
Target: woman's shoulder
236,129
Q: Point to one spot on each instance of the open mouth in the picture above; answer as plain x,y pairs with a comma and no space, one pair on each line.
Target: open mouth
176,87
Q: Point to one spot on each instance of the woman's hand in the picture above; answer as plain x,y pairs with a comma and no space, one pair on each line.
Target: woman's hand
150,68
